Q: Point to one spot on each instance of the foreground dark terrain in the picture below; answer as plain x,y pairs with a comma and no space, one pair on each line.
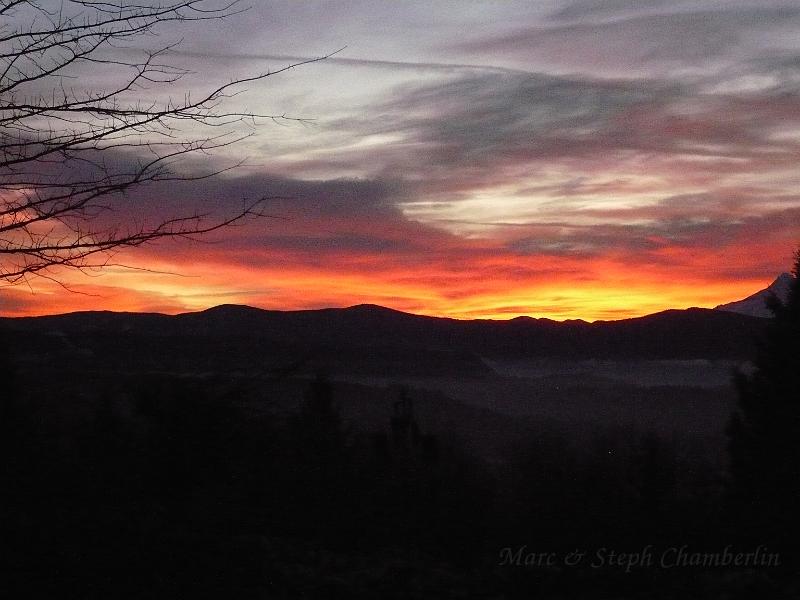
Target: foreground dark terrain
366,453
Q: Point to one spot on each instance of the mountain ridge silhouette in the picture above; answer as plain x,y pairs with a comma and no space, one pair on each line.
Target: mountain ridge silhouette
671,334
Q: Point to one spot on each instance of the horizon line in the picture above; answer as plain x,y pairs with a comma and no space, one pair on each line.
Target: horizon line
368,305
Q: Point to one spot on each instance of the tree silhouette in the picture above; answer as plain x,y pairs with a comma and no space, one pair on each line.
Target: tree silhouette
68,156
765,431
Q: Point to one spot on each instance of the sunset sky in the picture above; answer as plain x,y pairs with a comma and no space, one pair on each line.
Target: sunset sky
598,159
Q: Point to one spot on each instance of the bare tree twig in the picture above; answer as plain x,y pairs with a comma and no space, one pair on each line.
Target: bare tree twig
68,156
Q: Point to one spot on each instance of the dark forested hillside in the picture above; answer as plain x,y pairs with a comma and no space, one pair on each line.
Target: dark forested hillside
373,339
363,452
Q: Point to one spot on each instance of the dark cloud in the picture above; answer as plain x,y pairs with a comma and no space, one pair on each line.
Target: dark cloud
283,199
483,129
466,129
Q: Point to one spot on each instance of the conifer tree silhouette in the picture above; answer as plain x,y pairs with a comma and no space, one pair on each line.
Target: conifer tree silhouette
764,433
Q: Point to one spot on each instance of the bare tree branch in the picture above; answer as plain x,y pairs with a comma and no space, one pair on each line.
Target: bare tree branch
60,148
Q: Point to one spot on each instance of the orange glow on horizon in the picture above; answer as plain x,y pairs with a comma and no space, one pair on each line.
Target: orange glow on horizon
608,291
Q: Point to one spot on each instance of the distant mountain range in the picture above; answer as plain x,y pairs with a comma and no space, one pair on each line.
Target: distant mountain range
756,304
374,340
363,339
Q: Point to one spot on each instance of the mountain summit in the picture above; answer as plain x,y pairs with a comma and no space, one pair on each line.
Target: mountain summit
756,304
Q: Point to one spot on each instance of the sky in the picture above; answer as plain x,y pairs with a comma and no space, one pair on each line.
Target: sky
596,159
